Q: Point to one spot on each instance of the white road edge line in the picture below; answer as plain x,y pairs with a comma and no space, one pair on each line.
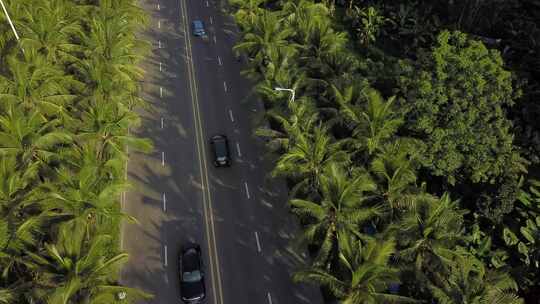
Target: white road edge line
158,6
160,92
258,242
162,122
269,298
165,254
225,86
219,60
159,24
164,202
163,158
159,44
247,189
160,66
238,148
231,115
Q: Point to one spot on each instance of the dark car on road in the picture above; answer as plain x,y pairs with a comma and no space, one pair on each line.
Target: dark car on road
220,149
197,28
192,289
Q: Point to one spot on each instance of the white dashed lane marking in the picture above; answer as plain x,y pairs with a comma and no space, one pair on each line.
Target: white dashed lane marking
258,242
247,190
165,255
238,149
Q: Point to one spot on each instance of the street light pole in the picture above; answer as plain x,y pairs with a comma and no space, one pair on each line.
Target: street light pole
9,20
288,90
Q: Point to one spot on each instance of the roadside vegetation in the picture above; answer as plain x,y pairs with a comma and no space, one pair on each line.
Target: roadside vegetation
67,94
411,148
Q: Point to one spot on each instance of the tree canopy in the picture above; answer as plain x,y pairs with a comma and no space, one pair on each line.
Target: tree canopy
456,96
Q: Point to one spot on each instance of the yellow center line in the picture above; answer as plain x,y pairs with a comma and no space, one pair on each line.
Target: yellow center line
207,200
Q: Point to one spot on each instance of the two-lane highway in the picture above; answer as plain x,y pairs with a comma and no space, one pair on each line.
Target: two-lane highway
237,214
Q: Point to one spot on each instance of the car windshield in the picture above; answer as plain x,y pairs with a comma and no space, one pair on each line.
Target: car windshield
191,277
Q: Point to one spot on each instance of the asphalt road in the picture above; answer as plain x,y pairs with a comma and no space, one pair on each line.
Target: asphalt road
237,214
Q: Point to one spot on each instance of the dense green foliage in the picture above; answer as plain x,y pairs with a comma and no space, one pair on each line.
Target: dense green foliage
67,93
409,148
454,101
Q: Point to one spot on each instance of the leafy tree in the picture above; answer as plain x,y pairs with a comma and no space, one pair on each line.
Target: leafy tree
369,22
455,100
521,234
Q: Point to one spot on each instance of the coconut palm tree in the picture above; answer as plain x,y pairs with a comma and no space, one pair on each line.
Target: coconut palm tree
66,104
29,137
308,155
105,126
73,270
111,43
300,117
344,206
247,12
427,235
373,124
280,72
7,296
365,273
268,35
394,167
36,84
49,30
470,282
87,195
317,41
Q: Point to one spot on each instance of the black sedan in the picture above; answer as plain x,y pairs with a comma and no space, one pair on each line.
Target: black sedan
220,149
192,287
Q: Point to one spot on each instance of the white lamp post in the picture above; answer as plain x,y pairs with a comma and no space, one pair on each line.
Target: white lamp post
288,90
9,20
11,23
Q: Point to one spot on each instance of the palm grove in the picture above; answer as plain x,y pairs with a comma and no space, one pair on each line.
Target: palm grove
67,91
411,148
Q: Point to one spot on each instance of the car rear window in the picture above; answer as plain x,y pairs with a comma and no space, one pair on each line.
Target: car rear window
221,148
